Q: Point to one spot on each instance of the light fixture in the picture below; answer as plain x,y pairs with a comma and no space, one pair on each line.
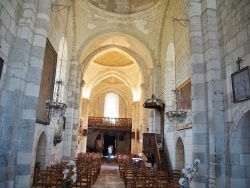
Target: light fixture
177,115
54,107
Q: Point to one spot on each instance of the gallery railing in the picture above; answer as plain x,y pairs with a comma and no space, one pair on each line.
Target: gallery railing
107,122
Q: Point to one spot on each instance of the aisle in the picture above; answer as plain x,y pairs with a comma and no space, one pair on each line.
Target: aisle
109,177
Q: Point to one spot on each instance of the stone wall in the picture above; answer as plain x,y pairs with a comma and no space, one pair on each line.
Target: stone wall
175,70
24,27
234,37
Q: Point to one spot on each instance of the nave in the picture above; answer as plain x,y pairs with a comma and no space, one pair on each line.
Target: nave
109,177
90,170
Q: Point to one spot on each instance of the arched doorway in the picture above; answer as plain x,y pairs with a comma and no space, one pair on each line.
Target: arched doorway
41,152
109,140
240,153
179,155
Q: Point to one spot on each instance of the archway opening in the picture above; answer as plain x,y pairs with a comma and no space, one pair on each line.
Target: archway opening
41,152
109,140
180,155
240,153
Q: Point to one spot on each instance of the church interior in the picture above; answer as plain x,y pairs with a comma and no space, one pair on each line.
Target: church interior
163,81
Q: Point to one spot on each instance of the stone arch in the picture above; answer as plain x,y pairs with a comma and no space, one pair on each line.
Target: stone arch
107,74
179,154
131,54
238,148
240,152
244,108
41,151
121,41
127,51
111,38
124,95
134,7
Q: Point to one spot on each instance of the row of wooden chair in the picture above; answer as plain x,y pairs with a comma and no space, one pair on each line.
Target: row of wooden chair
50,177
135,178
88,168
138,175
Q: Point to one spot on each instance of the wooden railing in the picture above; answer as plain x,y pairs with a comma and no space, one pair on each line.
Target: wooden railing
107,122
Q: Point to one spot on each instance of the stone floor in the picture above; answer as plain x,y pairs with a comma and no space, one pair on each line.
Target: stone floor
109,176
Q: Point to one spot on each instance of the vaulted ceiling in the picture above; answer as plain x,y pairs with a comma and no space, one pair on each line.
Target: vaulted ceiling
111,40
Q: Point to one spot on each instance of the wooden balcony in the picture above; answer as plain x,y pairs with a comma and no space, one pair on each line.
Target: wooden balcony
106,123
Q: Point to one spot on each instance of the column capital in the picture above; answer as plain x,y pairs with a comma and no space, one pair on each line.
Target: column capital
82,83
85,100
208,4
193,8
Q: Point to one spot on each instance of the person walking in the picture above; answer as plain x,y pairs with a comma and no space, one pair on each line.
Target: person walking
110,149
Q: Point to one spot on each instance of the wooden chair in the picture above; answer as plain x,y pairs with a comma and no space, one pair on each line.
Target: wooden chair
139,178
173,179
161,180
46,178
150,179
128,176
82,181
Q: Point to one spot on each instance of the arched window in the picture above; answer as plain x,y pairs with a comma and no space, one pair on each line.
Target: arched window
111,105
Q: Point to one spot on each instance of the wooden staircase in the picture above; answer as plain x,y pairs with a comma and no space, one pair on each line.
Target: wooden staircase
164,162
151,151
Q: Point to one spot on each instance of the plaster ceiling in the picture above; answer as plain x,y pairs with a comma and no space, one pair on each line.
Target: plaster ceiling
113,59
123,6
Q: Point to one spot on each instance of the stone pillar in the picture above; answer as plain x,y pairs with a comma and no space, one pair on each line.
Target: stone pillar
198,95
214,95
84,116
158,95
77,97
135,126
144,111
70,133
21,86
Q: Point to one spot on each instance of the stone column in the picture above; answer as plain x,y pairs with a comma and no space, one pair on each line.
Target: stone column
70,133
214,95
19,97
77,97
198,95
158,95
135,126
143,111
84,116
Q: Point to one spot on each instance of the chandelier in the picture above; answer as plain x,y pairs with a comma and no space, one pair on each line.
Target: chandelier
177,114
54,107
